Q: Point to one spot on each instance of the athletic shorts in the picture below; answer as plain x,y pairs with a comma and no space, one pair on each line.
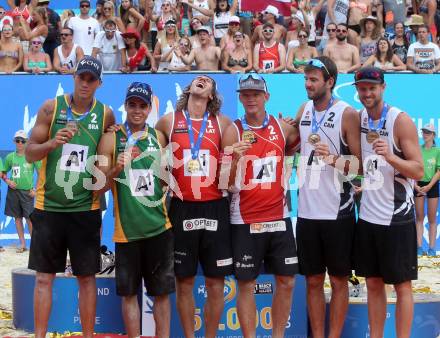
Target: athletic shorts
389,252
150,259
432,193
325,245
202,233
53,233
18,203
270,242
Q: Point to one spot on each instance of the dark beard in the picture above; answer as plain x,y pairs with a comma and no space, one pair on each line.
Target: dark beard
340,38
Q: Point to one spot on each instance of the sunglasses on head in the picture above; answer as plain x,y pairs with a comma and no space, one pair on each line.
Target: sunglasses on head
370,74
268,30
170,25
253,76
318,64
20,140
341,31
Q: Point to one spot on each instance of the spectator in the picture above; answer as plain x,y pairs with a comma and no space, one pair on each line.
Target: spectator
299,57
4,19
423,56
428,188
239,58
98,10
40,28
108,13
54,28
198,8
138,55
207,57
345,55
84,28
358,10
413,23
296,25
270,14
175,59
36,61
384,58
269,55
330,39
311,14
400,44
166,41
11,53
21,8
109,48
65,17
67,55
21,192
370,34
167,11
394,10
427,9
130,16
227,42
195,41
337,11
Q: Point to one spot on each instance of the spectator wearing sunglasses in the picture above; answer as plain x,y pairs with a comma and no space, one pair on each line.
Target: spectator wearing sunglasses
227,43
84,27
175,59
109,48
423,56
299,57
5,18
138,55
130,16
21,192
108,13
239,59
270,15
67,54
331,37
36,61
11,53
269,55
345,55
166,41
428,189
40,28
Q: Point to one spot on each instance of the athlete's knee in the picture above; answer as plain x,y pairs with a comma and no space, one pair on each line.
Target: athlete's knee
246,286
185,284
339,283
215,285
44,280
404,288
375,285
86,281
315,281
285,282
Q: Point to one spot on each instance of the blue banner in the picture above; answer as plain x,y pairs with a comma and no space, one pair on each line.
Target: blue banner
415,94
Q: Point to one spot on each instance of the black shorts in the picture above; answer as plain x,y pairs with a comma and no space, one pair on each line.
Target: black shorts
257,242
389,252
202,232
18,203
325,245
151,259
54,233
432,193
356,28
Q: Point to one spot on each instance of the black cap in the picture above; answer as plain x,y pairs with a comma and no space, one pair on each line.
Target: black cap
170,22
369,75
140,90
88,64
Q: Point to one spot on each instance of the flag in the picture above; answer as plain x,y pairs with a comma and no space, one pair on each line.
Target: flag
260,5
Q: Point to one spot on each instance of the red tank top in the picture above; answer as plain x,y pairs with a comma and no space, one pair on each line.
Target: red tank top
203,184
24,13
261,195
269,56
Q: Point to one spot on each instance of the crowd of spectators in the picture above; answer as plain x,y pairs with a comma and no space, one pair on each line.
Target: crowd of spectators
214,35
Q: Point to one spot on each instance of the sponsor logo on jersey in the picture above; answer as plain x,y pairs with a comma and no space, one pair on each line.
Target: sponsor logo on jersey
200,224
180,131
306,123
258,228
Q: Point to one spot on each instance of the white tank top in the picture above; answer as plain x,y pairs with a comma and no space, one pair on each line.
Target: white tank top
202,4
387,196
221,23
323,192
70,60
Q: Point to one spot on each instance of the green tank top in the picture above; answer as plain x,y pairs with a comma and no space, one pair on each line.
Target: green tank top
65,175
138,194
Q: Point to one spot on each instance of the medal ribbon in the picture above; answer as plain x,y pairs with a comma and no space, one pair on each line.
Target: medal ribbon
381,122
315,124
81,117
246,126
195,145
131,141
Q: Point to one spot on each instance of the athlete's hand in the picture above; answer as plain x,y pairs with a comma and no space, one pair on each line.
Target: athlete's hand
123,159
289,120
63,136
113,128
240,148
321,149
380,146
424,190
32,193
357,190
12,184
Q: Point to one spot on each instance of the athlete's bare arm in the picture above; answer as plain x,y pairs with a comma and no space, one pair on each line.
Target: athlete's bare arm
39,144
291,133
109,118
224,122
351,133
405,137
105,161
164,125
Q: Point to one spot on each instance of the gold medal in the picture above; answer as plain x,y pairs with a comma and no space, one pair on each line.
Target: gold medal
314,138
248,136
372,136
193,166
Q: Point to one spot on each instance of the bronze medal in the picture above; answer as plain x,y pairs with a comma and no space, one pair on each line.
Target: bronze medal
249,136
314,138
372,136
193,166
73,126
